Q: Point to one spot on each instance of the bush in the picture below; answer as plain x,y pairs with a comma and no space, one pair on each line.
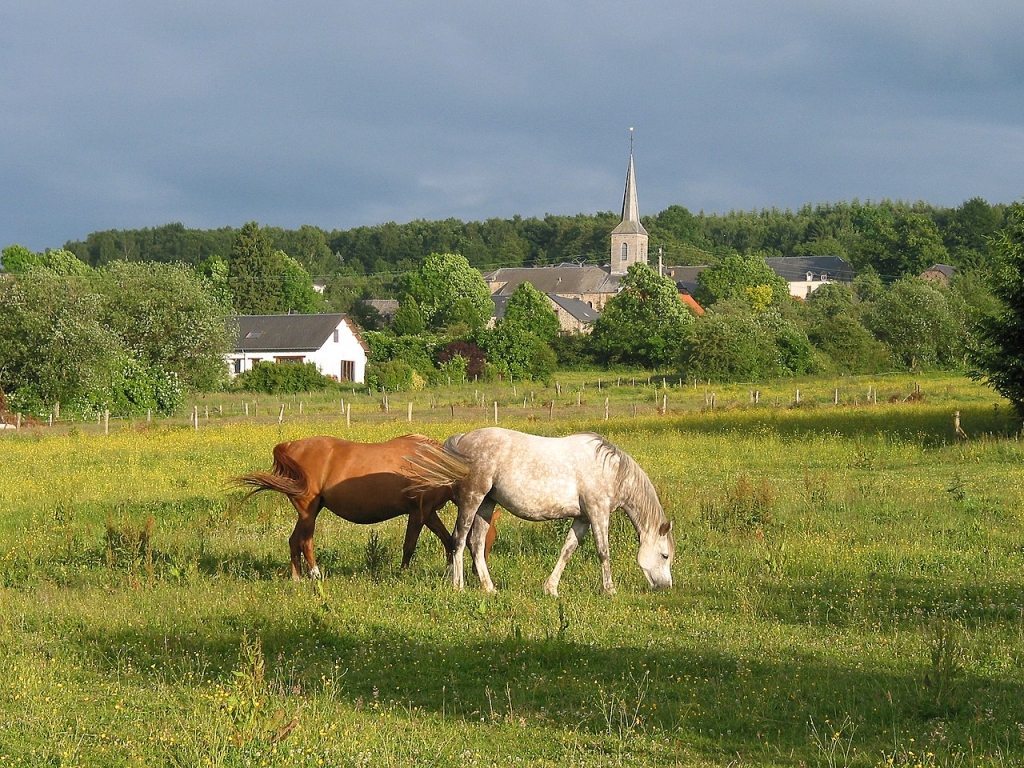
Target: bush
283,378
392,376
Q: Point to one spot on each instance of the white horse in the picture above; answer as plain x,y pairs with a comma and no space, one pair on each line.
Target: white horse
581,476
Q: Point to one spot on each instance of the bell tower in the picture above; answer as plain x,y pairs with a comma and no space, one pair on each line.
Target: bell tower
629,238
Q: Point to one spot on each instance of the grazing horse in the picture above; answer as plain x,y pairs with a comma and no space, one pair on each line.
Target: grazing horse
359,482
581,476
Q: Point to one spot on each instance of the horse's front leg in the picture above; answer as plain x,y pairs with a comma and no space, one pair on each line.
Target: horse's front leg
579,529
301,541
603,555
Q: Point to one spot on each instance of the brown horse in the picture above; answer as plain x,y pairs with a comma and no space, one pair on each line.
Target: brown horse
359,482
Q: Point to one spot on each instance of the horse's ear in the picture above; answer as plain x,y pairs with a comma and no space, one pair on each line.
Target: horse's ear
665,529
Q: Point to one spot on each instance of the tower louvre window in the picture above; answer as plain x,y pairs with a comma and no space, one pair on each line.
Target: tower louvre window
625,251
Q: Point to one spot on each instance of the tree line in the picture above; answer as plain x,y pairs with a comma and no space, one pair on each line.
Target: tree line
891,238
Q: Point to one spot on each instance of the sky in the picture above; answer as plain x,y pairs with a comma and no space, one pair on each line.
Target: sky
121,114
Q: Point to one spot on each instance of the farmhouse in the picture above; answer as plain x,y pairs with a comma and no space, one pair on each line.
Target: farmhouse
939,273
806,274
331,341
574,315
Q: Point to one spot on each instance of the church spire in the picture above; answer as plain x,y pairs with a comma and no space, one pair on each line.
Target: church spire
629,238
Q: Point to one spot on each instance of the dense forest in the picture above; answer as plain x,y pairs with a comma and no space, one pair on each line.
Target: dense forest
891,238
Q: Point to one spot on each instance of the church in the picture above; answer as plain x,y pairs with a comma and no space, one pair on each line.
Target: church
578,292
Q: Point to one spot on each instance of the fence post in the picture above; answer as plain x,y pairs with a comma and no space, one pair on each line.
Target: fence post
495,411
410,412
606,408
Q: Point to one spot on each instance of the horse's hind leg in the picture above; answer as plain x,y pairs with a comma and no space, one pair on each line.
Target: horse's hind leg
412,532
301,541
478,535
468,504
579,529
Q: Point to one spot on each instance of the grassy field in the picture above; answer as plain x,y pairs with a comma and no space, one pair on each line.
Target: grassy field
849,590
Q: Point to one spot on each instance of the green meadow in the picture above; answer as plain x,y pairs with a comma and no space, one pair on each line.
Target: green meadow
849,590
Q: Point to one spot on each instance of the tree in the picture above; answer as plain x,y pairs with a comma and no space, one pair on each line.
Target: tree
644,324
214,271
921,323
18,259
251,272
970,231
54,347
745,277
999,358
896,241
517,353
408,319
519,346
167,320
732,342
530,310
450,291
725,347
296,286
833,326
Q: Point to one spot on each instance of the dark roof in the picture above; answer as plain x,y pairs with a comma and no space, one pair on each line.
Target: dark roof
298,333
795,268
580,310
686,278
944,269
564,278
576,308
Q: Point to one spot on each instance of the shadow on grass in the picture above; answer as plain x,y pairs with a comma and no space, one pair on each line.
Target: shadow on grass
720,703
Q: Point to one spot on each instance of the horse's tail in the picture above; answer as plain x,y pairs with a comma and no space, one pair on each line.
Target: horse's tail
431,466
286,477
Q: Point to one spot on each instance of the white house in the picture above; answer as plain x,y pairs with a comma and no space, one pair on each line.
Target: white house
806,274
332,342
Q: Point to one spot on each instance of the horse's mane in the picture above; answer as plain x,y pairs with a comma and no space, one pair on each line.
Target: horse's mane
636,491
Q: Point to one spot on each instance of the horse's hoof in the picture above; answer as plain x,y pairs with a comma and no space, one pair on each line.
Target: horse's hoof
315,574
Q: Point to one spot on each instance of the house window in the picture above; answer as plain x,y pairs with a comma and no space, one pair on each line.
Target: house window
625,251
289,358
238,365
253,334
348,370
810,276
335,335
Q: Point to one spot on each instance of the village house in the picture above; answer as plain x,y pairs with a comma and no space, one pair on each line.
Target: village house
806,274
939,273
331,341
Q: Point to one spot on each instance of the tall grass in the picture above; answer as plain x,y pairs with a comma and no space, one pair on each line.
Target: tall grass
848,592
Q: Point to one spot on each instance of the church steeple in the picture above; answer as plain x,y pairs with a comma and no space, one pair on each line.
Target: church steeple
629,238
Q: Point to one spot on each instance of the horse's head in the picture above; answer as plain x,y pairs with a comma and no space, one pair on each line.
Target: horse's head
657,549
